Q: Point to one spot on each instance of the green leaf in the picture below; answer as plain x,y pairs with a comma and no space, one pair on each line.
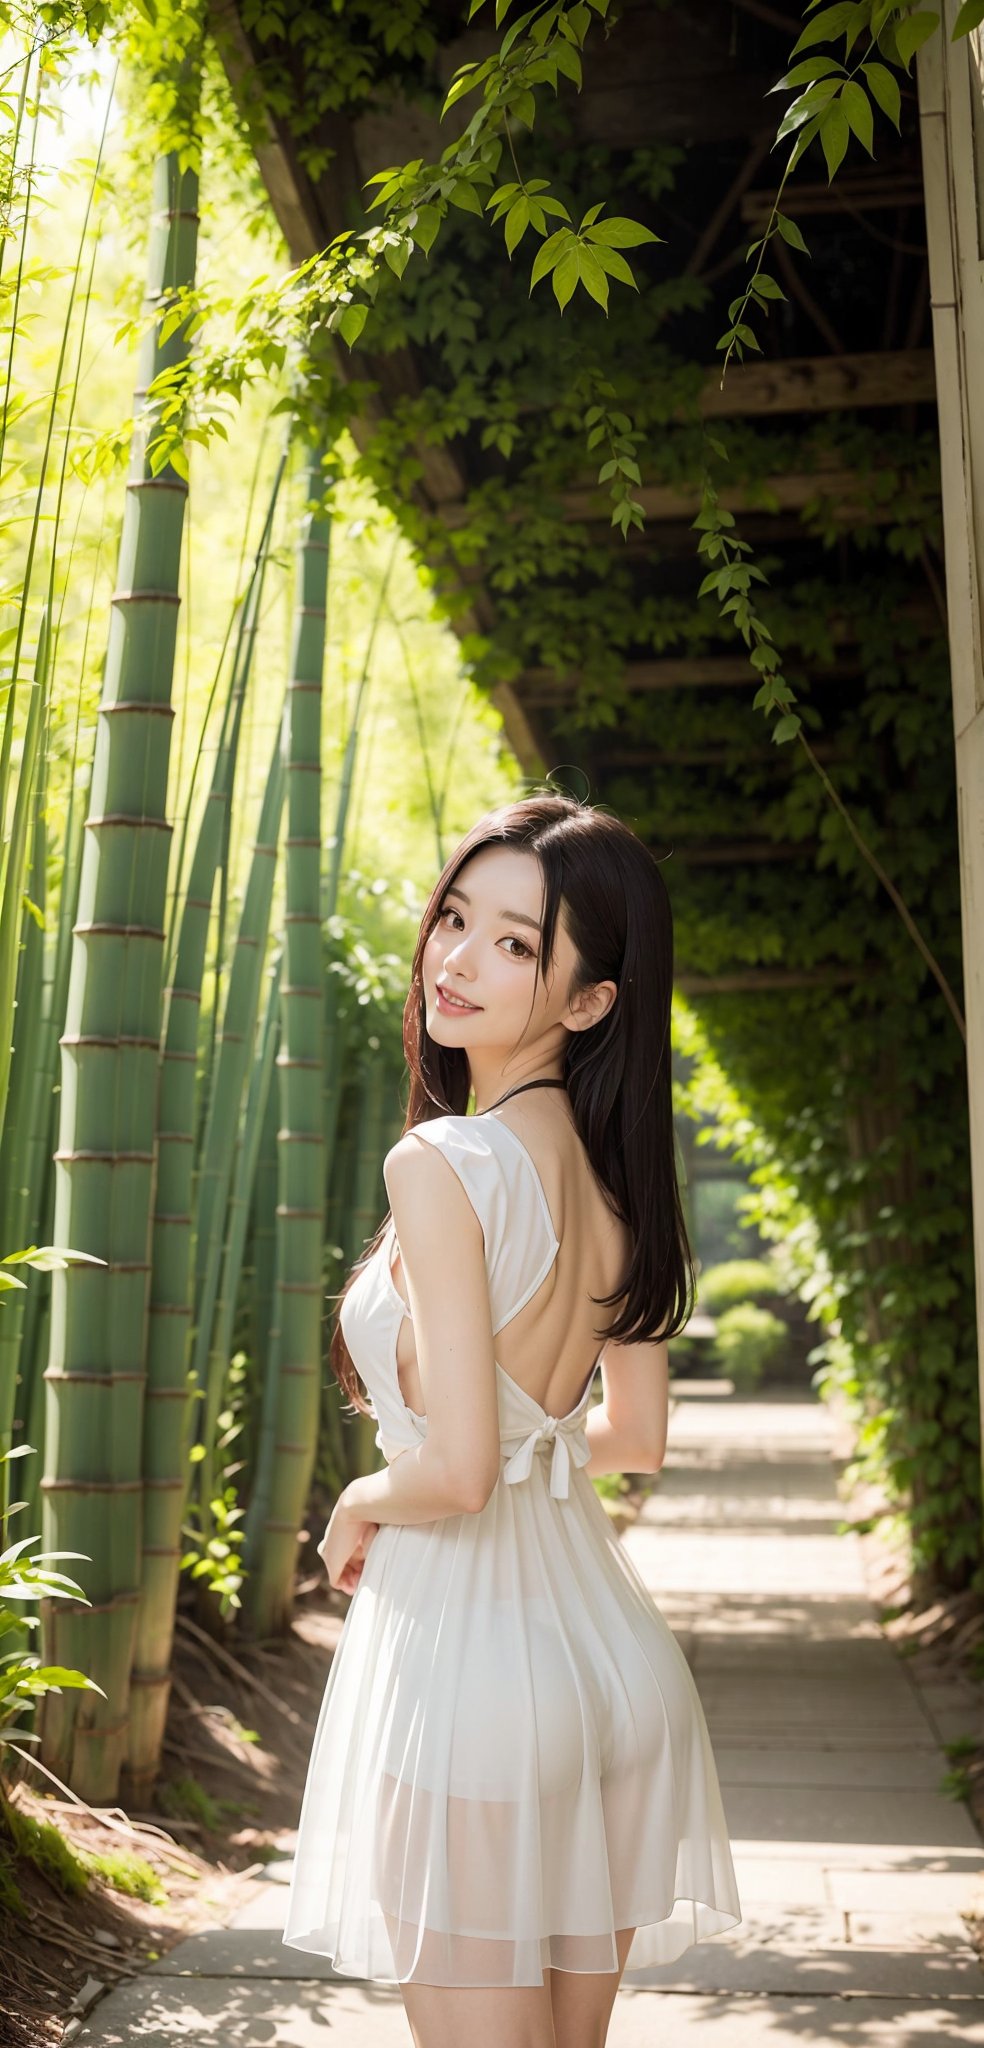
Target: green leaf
824,27
514,32
426,228
790,233
912,32
568,61
397,255
970,16
549,254
47,1676
462,82
621,234
565,277
802,143
524,108
352,322
857,107
885,88
615,265
786,729
803,74
463,194
767,286
592,276
517,222
834,136
801,109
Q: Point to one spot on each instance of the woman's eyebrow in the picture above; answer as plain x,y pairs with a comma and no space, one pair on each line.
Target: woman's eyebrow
516,916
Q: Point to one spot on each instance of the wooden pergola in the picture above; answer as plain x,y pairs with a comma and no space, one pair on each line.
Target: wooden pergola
876,350
701,82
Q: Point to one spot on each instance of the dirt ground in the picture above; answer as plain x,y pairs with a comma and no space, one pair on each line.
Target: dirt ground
239,1730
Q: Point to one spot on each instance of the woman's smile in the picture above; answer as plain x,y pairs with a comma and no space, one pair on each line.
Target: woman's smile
454,1006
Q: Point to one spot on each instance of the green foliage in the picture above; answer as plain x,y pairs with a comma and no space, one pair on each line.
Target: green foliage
611,1485
66,1868
747,1340
126,1873
733,1282
39,1843
26,1580
185,1798
215,1544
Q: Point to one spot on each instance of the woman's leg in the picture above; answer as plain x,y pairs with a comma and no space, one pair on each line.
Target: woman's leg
582,2002
443,2016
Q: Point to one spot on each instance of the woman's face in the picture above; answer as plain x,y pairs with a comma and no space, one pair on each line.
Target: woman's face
484,947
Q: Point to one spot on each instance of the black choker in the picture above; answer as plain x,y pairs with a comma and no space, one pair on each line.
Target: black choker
548,1081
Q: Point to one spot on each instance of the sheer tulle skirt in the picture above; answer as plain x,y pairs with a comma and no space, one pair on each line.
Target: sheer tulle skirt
511,1760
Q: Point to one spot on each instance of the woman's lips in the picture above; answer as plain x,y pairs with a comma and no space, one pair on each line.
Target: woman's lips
455,1009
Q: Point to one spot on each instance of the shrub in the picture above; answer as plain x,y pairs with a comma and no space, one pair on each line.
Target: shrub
734,1281
748,1340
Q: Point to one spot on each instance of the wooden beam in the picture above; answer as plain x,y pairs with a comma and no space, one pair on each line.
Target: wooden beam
588,502
817,384
844,488
861,192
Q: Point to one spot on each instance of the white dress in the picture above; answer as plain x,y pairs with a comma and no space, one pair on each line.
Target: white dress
511,1760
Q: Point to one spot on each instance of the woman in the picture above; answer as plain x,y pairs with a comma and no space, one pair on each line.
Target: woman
512,1784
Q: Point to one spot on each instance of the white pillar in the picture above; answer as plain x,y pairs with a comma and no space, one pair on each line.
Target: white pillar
950,79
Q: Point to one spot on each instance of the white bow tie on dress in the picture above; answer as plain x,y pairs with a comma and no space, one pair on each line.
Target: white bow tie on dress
569,1442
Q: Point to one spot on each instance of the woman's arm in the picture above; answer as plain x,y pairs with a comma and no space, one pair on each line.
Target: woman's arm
627,1430
442,1251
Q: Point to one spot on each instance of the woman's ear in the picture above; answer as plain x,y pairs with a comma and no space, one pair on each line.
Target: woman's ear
590,1005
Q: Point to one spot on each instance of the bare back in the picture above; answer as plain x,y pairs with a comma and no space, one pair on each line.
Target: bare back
551,1345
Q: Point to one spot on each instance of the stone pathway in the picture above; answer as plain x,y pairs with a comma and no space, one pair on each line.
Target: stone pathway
852,1865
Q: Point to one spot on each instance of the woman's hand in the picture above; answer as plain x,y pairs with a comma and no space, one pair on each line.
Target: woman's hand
345,1545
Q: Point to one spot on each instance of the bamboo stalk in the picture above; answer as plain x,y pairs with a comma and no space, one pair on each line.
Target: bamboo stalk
104,1164
292,1391
168,1421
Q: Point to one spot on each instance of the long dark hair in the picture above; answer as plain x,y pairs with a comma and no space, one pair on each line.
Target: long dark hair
617,913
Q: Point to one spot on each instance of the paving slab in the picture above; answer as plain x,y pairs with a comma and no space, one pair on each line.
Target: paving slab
220,2012
683,2021
854,1869
910,1770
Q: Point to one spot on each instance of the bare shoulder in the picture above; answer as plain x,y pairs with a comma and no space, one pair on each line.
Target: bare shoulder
421,1180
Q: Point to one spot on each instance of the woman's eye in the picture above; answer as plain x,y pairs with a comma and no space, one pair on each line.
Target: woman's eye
525,951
